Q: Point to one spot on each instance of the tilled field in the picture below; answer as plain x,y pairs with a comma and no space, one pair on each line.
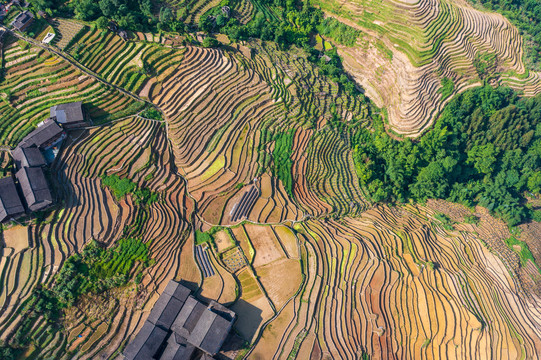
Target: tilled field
393,283
313,270
407,49
35,80
89,211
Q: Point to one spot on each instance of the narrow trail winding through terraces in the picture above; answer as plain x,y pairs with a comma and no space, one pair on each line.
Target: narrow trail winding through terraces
391,282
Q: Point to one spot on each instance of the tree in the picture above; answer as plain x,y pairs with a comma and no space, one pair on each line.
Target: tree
102,23
483,158
146,7
534,182
107,8
209,42
166,15
87,10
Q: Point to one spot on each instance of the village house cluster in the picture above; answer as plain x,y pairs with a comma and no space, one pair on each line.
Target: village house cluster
29,190
180,327
23,20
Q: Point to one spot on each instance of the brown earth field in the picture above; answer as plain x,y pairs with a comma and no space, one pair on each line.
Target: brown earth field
317,271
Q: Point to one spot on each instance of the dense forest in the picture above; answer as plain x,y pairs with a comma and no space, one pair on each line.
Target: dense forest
485,149
526,16
135,15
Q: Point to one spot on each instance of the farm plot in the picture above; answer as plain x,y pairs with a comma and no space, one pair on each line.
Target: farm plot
225,115
266,246
414,73
234,259
91,211
253,305
223,240
127,64
35,80
375,269
66,30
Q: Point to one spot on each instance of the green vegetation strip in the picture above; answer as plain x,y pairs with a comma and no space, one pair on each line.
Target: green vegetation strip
484,150
120,187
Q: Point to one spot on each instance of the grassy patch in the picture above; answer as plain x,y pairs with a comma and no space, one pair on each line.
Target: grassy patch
120,187
282,159
447,88
524,253
339,32
214,168
202,237
152,113
96,270
446,222
388,53
471,219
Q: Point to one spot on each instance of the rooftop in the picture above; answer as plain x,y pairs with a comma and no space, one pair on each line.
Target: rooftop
147,342
192,325
23,19
10,203
68,113
34,186
42,135
27,157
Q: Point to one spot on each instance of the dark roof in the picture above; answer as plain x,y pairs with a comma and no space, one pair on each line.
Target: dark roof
68,113
168,306
178,348
196,328
22,19
202,326
27,157
147,342
177,290
10,203
34,186
165,311
188,317
42,134
215,333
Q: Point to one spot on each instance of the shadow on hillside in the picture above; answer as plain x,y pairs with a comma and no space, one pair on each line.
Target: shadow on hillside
248,319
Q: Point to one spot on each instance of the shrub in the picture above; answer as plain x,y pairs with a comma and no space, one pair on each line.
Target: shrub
471,219
96,270
339,32
445,220
447,88
152,113
202,237
210,42
121,187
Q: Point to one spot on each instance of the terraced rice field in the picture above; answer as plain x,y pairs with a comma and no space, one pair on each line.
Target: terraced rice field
90,212
35,80
126,64
231,111
401,286
312,269
408,48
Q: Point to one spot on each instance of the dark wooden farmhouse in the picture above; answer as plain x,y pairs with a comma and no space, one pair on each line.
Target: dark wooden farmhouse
28,157
193,330
10,203
34,188
23,20
70,115
43,136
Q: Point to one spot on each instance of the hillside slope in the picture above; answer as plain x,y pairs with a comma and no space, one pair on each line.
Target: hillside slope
412,57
